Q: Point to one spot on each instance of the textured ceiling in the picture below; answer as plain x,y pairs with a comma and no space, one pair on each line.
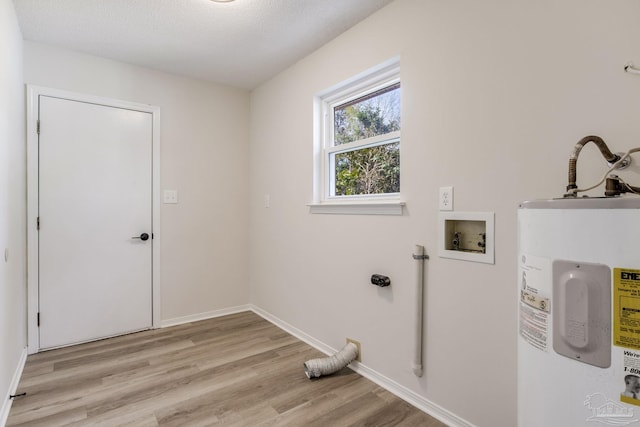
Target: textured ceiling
242,43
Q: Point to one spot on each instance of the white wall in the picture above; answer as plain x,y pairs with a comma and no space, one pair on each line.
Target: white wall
495,95
12,200
204,155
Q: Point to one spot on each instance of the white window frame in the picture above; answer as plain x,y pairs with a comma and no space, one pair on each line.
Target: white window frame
374,79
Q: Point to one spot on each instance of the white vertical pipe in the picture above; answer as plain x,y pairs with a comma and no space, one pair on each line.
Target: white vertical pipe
419,256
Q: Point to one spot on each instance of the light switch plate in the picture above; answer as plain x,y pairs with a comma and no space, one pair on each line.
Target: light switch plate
170,196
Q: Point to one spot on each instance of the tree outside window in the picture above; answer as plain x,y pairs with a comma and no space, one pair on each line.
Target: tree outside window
365,157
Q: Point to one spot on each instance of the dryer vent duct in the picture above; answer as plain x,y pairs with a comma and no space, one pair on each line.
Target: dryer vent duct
315,368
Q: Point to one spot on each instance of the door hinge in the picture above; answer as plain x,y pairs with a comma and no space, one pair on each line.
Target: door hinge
38,127
38,319
38,223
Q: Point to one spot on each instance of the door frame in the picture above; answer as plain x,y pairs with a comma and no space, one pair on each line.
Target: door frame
33,94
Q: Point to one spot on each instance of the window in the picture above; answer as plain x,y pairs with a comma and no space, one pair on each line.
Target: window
358,144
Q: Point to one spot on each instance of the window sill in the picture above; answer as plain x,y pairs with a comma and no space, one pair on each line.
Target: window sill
358,208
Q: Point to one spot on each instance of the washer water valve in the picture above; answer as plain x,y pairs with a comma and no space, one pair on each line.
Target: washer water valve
457,237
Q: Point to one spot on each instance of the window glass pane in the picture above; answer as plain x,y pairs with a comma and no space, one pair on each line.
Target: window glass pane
374,114
370,170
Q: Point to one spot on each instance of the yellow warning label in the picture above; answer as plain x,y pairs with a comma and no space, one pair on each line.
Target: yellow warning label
629,400
626,308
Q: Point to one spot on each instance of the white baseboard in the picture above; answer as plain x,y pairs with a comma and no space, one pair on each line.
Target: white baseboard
401,391
319,345
204,316
411,397
6,406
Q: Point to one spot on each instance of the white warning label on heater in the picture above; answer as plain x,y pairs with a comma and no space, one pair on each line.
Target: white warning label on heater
535,305
534,326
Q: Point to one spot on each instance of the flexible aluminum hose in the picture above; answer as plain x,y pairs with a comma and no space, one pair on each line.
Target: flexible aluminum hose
315,368
608,193
573,159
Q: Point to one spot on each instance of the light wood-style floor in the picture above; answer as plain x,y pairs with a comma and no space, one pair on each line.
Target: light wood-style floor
236,370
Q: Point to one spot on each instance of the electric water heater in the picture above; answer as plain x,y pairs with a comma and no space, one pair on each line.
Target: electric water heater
579,312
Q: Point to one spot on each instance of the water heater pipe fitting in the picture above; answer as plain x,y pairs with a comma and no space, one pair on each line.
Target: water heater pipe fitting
611,191
315,368
573,160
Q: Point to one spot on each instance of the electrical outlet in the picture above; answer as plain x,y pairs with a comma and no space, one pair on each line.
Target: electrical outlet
446,199
357,343
170,196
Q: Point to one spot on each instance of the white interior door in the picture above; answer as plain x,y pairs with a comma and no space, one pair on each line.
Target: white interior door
95,201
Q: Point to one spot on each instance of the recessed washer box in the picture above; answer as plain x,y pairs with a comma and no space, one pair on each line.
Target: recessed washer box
467,236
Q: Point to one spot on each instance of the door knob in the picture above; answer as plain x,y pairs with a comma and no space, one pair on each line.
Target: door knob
143,236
